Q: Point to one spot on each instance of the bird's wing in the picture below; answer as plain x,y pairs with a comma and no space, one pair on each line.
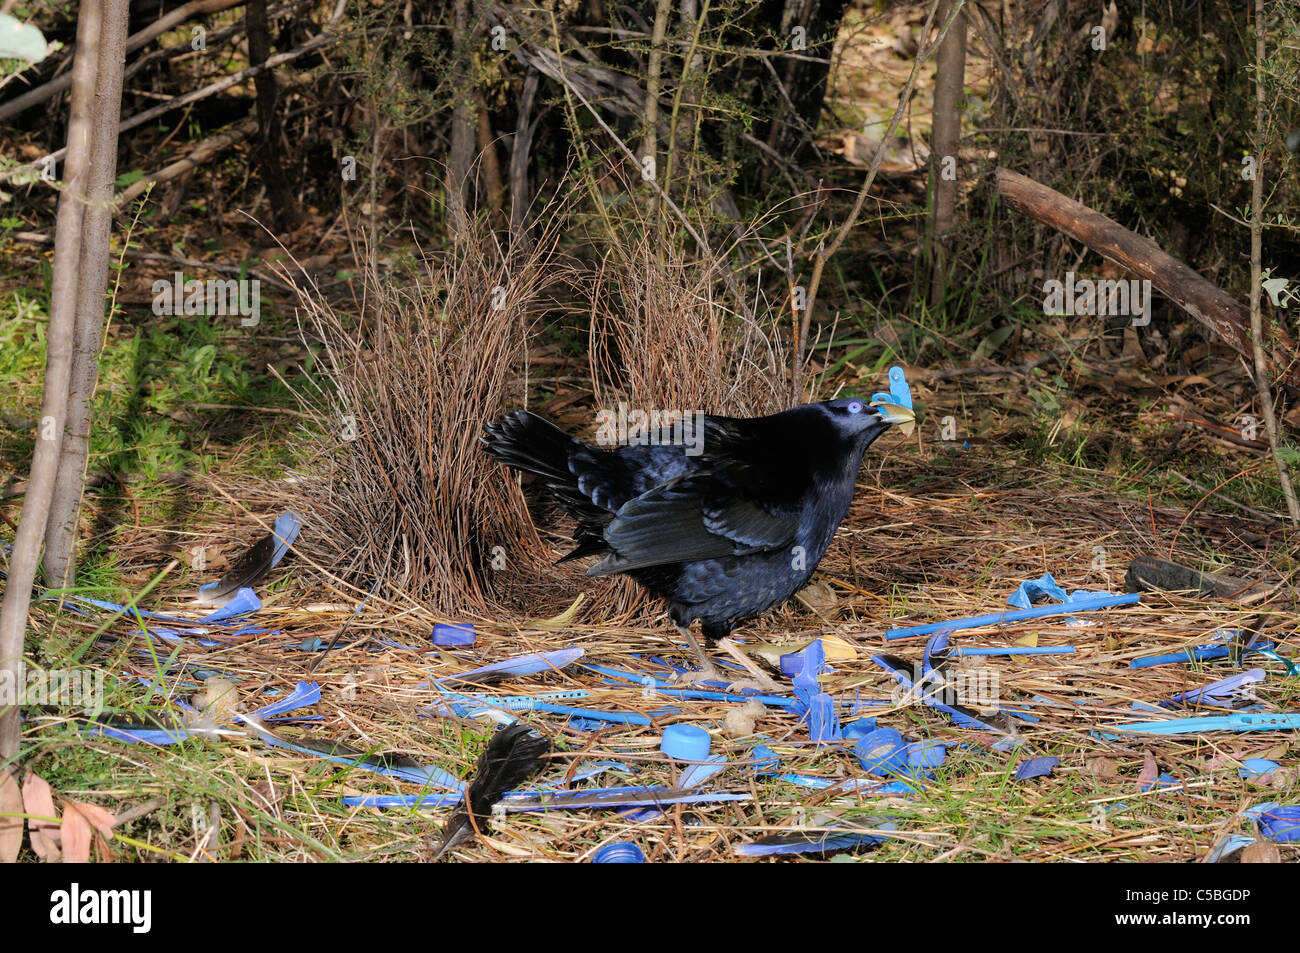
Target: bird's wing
694,516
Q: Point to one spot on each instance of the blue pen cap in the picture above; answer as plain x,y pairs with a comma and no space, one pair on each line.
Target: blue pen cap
685,743
453,636
619,852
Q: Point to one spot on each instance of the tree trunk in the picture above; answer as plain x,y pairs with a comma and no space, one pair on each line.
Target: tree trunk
92,275
267,155
945,141
101,33
460,157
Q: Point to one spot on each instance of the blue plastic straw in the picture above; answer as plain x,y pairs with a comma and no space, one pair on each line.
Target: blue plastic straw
1061,650
1001,618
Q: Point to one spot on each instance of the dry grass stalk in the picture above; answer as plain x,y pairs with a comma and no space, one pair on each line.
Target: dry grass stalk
395,486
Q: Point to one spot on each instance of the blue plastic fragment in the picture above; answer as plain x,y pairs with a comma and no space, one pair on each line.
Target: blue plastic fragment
1082,604
148,736
1229,845
1221,647
446,635
417,801
859,728
1031,590
1164,781
1016,650
819,714
1196,726
311,645
1036,768
1257,767
303,695
697,774
631,796
619,852
927,698
532,664
432,776
900,392
245,601
286,529
792,663
591,714
1217,693
1280,823
763,760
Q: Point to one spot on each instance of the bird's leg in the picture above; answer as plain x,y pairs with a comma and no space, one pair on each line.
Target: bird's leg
708,671
760,679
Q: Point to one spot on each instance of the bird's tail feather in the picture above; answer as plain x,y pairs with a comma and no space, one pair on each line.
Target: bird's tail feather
525,441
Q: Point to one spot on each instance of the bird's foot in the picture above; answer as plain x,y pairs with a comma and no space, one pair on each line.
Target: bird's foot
758,678
703,676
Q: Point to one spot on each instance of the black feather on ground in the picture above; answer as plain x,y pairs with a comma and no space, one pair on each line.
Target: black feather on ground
252,566
514,754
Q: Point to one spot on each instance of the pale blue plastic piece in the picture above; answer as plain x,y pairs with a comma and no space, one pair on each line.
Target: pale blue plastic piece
533,664
900,392
697,774
245,601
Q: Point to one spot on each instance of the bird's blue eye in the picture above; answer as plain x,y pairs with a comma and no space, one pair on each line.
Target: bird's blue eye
855,407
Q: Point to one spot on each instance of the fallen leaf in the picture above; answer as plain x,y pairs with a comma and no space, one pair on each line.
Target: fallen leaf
820,598
42,820
1100,768
1150,771
1261,852
75,836
100,819
1030,640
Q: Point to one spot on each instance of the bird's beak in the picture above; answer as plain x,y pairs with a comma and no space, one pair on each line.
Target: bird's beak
898,415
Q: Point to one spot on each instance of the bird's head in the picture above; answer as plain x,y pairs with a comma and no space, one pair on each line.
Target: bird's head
856,419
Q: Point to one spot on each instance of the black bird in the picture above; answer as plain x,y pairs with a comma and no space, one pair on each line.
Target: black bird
731,528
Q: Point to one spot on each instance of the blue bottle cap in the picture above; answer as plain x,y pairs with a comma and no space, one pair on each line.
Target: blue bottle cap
926,754
619,852
685,743
882,752
451,636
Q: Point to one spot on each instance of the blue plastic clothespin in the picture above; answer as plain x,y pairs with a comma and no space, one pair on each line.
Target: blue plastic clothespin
900,392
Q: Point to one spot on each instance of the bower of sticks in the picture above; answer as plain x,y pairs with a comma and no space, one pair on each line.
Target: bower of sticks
360,728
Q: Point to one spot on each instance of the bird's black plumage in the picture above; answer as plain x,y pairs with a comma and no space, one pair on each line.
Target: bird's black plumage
723,534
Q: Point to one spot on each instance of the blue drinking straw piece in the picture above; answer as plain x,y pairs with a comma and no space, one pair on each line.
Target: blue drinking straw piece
1083,604
1059,650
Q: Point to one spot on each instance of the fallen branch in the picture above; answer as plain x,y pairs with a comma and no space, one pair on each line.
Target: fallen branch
195,8
1203,300
204,152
